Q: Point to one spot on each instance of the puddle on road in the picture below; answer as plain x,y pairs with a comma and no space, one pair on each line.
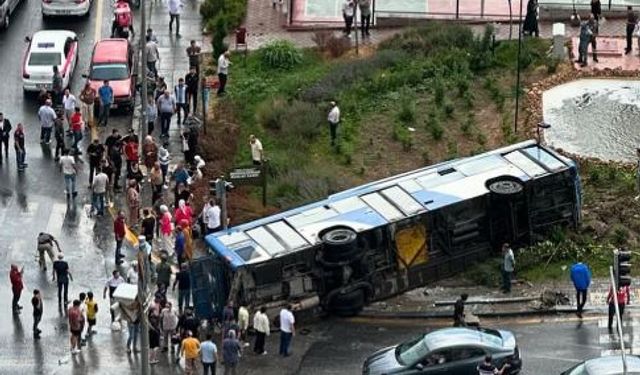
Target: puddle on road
594,117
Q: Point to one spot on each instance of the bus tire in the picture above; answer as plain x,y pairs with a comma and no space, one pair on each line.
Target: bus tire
340,245
505,186
349,303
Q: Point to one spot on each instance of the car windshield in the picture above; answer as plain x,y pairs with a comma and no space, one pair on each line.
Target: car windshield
45,58
112,72
412,351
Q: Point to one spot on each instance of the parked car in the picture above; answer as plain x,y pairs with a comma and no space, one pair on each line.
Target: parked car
112,60
65,8
7,7
45,49
609,365
451,351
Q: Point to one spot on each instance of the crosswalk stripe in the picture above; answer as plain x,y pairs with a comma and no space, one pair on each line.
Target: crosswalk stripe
602,322
609,352
56,219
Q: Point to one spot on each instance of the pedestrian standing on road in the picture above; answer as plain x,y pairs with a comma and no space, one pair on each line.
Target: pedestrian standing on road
15,276
99,188
134,332
113,144
58,132
19,147
624,298
38,307
69,104
76,324
365,15
257,153
174,14
161,87
69,169
119,232
57,88
183,281
586,35
47,117
157,181
148,225
231,352
179,245
152,115
87,102
261,325
164,158
153,55
632,20
193,53
169,323
348,8
166,229
154,340
151,35
183,213
112,284
130,152
150,152
166,108
62,275
530,26
92,312
458,311
213,217
223,71
191,80
95,152
191,351
508,266
487,368
334,120
180,95
593,26
107,169
209,352
287,330
45,246
5,134
243,323
133,201
105,93
581,277
77,124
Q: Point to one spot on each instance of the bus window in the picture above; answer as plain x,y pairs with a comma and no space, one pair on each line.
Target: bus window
411,246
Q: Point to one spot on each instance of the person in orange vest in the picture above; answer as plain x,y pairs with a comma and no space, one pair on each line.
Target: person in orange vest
624,296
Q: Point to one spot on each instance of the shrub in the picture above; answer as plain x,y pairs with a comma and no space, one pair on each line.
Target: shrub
221,16
438,91
468,125
302,122
281,54
435,128
495,92
403,135
270,113
431,38
407,111
448,109
328,42
321,39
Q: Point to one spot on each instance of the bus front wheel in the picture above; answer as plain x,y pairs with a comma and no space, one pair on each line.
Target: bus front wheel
349,303
340,244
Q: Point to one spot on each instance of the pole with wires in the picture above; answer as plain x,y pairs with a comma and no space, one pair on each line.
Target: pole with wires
614,292
515,120
143,71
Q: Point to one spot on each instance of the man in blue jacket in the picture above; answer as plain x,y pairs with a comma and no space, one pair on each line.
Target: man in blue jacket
581,277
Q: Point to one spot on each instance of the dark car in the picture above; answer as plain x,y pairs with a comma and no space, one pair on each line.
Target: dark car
451,351
609,365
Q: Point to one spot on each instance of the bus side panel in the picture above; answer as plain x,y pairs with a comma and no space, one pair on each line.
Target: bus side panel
210,286
553,202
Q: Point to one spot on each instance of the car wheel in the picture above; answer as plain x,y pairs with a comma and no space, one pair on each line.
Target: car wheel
340,244
349,303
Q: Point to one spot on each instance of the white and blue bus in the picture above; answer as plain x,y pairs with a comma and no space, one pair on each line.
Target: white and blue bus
389,236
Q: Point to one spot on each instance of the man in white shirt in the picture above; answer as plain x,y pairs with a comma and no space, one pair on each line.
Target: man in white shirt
287,330
180,95
257,154
213,217
261,325
69,170
334,120
223,71
348,8
111,285
69,103
153,55
100,182
47,117
174,14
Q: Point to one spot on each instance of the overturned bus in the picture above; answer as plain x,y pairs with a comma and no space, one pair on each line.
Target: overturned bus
386,237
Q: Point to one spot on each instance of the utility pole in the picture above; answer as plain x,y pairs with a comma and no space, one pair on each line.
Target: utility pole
515,120
614,291
221,192
355,21
143,69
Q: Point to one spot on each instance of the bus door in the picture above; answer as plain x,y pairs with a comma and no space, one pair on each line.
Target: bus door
210,286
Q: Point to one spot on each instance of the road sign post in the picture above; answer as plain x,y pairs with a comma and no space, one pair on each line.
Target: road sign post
255,175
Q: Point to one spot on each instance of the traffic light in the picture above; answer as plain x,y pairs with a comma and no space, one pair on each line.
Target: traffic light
214,184
622,264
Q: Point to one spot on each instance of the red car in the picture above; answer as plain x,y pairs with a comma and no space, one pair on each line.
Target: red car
112,60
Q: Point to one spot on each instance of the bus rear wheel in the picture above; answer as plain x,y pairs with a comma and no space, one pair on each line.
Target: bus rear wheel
340,244
349,303
505,186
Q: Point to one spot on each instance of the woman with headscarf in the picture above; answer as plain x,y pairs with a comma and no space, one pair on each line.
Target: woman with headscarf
183,213
166,229
155,177
133,200
150,152
188,240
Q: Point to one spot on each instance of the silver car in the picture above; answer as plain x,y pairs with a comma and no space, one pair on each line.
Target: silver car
609,365
7,7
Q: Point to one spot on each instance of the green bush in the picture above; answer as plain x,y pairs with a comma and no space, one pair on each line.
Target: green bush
448,109
220,17
271,113
407,111
434,127
432,38
328,41
281,54
402,135
302,122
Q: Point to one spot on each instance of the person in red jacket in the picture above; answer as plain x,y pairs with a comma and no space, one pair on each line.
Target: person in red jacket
119,231
131,152
624,298
15,275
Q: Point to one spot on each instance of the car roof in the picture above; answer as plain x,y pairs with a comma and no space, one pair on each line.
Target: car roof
110,51
612,365
455,337
50,40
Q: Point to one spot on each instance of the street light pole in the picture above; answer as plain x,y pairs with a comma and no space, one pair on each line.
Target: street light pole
515,120
143,69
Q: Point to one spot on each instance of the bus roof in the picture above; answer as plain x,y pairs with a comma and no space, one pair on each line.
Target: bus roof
382,202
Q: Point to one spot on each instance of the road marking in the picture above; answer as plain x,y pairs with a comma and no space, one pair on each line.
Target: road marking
97,32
